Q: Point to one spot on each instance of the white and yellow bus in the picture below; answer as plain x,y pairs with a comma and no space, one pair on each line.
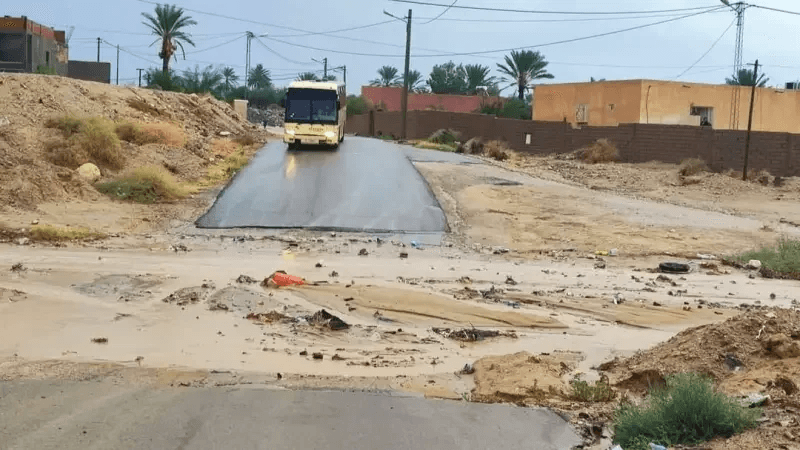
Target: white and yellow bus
315,113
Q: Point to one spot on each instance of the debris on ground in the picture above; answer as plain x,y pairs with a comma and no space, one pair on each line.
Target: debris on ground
325,319
282,279
674,267
471,334
403,255
18,267
363,252
100,340
268,317
317,355
189,295
246,279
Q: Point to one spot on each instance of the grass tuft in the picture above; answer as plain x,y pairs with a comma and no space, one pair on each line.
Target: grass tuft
246,140
687,411
99,139
147,184
601,151
61,153
582,391
69,125
50,233
447,137
782,258
692,166
434,146
151,133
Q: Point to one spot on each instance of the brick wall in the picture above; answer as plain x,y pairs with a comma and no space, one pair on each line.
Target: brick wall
779,153
390,98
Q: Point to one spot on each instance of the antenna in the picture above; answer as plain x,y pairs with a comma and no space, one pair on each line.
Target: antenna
738,8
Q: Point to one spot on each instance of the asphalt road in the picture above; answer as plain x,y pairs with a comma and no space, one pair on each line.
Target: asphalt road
366,185
103,415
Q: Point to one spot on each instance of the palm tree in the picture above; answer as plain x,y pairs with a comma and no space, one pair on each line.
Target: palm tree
307,76
415,81
746,77
259,77
387,77
478,75
229,79
328,78
168,24
196,81
522,68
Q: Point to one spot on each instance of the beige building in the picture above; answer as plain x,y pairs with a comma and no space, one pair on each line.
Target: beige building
610,103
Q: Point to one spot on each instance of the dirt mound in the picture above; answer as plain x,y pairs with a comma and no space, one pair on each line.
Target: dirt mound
737,346
29,150
522,378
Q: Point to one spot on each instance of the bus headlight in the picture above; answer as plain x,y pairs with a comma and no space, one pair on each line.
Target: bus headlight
290,132
330,134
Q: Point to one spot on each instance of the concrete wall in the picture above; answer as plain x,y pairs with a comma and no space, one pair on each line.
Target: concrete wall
663,102
90,71
779,153
390,99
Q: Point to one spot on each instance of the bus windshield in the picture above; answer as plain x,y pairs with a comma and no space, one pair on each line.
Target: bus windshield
311,106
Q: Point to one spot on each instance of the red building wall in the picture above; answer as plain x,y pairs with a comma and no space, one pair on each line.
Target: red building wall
389,98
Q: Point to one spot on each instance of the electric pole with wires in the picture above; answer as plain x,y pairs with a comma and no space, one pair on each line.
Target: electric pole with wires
404,97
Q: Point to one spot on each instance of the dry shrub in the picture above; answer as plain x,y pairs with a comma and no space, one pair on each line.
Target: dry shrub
55,234
68,125
127,131
445,136
692,166
161,133
473,146
146,184
600,151
497,150
98,138
224,147
247,140
61,153
141,105
756,175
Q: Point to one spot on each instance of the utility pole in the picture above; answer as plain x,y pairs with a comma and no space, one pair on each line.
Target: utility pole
250,36
404,102
750,122
117,64
98,49
140,77
404,97
325,69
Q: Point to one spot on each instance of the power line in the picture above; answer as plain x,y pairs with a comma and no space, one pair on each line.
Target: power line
709,49
122,49
312,33
442,13
583,19
281,56
483,8
504,50
216,46
776,9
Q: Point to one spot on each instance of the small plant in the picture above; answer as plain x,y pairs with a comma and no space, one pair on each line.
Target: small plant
147,184
583,391
127,131
782,258
497,150
61,153
151,133
358,105
692,166
600,151
687,411
434,146
228,167
99,139
50,233
246,140
68,125
45,70
448,137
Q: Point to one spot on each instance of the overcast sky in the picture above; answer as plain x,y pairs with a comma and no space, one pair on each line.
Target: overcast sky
659,52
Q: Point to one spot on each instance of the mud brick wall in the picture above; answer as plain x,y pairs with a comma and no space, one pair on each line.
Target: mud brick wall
778,153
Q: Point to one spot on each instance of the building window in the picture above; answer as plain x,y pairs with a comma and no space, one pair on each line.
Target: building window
706,114
582,114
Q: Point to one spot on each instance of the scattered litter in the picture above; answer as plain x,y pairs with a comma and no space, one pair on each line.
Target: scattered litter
268,317
336,357
467,369
281,278
673,267
600,264
514,305
403,255
510,280
465,280
325,319
613,252
500,250
378,315
214,306
245,279
334,274
415,244
657,447
188,295
100,340
18,267
179,248
317,355
304,353
703,256
755,400
318,264
619,299
470,334
363,252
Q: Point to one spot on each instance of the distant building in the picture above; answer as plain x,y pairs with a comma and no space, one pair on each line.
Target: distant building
90,71
26,46
610,103
389,99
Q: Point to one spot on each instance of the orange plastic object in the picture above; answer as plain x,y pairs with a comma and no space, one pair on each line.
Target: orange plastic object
282,279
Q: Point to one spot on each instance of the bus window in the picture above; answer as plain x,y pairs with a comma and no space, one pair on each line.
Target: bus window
311,106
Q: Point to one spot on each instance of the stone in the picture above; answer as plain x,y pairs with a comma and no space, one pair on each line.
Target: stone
4,121
753,264
224,133
89,172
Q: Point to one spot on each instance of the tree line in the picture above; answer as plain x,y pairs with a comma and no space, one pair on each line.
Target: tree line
520,69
